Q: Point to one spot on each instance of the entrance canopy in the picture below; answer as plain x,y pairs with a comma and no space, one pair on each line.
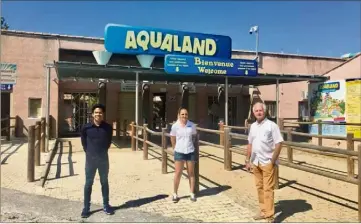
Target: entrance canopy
116,73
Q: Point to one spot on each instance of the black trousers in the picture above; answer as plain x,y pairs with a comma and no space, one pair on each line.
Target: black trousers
91,166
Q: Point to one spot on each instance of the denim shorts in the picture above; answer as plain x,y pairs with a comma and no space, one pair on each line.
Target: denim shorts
184,157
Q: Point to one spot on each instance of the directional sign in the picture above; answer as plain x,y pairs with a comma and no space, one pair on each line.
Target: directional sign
193,65
8,73
6,87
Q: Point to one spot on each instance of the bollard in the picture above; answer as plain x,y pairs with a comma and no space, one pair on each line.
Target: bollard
42,134
221,135
145,145
350,162
164,153
31,151
132,135
289,148
37,143
227,152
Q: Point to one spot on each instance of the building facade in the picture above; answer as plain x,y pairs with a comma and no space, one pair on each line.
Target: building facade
70,99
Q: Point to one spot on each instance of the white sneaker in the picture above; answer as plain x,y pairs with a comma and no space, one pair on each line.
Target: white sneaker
175,198
193,197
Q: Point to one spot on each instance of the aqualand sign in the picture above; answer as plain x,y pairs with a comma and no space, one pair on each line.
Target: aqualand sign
184,52
124,39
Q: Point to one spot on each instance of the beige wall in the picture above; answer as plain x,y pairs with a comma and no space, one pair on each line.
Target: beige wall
349,70
30,55
291,93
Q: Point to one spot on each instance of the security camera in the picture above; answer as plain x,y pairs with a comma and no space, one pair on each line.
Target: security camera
185,87
101,84
145,86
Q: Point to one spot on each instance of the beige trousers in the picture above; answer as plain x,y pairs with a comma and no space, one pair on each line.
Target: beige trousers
265,182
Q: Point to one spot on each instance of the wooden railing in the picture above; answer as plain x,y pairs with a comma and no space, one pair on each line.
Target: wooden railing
226,135
6,126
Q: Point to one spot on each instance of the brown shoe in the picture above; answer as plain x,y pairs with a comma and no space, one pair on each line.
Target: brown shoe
259,217
270,219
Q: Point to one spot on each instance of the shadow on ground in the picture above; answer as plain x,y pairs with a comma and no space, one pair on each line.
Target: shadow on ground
136,203
288,208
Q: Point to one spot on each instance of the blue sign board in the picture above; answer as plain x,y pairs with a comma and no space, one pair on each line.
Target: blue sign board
194,65
7,87
124,39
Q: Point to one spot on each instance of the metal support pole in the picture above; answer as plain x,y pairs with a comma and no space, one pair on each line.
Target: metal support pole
136,107
257,41
277,101
226,101
47,111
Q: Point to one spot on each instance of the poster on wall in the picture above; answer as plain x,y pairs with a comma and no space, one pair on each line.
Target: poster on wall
353,106
327,103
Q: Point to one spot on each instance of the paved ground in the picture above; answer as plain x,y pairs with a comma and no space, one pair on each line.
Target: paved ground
17,206
226,196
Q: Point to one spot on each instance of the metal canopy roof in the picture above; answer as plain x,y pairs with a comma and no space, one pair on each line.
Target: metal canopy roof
78,70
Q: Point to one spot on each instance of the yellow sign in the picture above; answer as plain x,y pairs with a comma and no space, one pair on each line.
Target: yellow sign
353,106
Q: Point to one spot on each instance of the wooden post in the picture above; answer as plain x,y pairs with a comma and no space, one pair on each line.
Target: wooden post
8,132
132,135
319,132
125,128
31,151
117,129
164,153
145,145
350,162
37,142
281,123
289,148
42,135
221,136
196,165
359,183
227,152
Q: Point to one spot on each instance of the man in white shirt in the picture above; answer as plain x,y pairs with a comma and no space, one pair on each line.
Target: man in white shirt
264,147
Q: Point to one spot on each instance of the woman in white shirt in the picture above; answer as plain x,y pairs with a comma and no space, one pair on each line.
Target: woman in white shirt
183,133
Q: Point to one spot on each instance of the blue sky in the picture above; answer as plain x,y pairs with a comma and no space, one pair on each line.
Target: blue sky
324,28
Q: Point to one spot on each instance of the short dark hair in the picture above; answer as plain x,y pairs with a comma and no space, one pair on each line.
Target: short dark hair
98,105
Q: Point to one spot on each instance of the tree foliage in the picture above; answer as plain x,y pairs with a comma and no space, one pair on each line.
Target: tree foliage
4,25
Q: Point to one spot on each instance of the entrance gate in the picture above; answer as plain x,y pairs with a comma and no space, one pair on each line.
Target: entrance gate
76,111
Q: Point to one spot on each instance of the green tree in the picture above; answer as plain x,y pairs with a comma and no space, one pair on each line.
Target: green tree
4,25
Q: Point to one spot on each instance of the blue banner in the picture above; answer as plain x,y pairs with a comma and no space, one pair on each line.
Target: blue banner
7,87
124,39
193,65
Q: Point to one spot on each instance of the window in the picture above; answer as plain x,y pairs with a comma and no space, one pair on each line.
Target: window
303,109
271,109
34,108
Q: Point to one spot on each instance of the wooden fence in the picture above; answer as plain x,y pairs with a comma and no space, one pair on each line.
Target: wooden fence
36,145
226,135
6,126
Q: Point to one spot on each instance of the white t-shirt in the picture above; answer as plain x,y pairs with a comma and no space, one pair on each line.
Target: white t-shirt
184,143
264,136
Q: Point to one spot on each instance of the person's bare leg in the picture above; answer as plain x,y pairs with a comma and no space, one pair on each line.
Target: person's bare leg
190,171
177,174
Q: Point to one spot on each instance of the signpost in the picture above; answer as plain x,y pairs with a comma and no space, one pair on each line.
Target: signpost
6,87
8,73
194,65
